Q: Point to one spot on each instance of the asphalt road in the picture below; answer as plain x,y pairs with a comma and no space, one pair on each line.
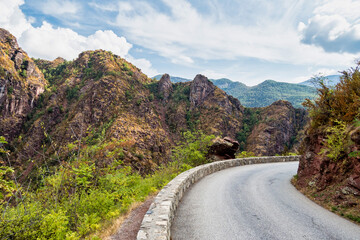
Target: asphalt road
255,202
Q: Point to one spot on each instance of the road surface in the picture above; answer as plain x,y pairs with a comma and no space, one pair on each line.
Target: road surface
255,202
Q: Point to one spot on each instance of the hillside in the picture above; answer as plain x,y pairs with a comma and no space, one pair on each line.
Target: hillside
329,170
264,93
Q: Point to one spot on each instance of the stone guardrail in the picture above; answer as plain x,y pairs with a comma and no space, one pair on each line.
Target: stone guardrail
157,220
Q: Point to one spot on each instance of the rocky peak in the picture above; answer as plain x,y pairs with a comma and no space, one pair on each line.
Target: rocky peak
7,38
165,86
21,82
200,89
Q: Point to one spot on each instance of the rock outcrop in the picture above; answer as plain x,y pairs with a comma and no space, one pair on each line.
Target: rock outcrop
21,83
165,86
201,88
222,148
277,130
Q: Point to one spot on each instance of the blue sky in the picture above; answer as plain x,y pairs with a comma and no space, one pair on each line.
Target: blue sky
243,40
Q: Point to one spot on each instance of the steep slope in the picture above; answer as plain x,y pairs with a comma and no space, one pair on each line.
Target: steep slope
329,170
98,98
21,83
278,129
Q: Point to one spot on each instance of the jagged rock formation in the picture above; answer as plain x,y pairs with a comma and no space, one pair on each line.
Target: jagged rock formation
200,89
277,130
165,86
21,83
201,105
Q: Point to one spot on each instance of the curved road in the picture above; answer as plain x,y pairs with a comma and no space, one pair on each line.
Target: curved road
255,202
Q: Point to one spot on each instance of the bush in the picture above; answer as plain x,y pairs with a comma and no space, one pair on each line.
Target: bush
193,149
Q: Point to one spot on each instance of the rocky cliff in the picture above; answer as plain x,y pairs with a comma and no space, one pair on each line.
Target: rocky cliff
278,129
329,169
21,83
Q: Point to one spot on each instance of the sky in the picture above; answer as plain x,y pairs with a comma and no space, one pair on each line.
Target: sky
244,40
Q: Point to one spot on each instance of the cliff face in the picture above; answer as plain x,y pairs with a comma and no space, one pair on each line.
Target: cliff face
329,169
201,105
21,83
277,129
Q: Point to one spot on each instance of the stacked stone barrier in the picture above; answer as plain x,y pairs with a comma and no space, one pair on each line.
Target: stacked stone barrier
158,219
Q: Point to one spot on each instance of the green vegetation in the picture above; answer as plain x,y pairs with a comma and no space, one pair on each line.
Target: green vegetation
245,154
193,148
75,197
72,93
10,90
181,93
251,118
334,112
2,72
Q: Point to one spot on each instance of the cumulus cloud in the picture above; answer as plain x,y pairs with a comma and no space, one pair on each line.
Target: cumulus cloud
12,18
183,34
48,42
335,27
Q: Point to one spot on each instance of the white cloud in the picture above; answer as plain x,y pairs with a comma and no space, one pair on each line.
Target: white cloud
349,9
59,7
335,27
144,64
12,18
48,43
185,34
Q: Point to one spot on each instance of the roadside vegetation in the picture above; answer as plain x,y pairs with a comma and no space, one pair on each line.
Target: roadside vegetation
333,141
76,198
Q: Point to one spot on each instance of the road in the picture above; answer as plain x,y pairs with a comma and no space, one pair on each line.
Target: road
255,202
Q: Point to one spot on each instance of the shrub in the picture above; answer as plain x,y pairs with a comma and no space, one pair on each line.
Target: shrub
193,149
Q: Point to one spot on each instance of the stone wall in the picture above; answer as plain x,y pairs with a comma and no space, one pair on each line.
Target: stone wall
157,220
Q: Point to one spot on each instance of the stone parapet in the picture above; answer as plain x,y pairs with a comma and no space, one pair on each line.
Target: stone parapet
157,220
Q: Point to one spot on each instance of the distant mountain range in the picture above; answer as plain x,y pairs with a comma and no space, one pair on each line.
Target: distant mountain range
330,80
267,92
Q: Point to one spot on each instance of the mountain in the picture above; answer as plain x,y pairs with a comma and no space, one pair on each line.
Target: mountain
330,80
267,92
99,100
264,93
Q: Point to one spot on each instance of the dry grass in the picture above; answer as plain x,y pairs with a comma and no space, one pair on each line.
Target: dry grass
112,226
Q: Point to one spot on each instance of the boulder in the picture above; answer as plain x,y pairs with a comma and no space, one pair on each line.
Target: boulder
222,148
